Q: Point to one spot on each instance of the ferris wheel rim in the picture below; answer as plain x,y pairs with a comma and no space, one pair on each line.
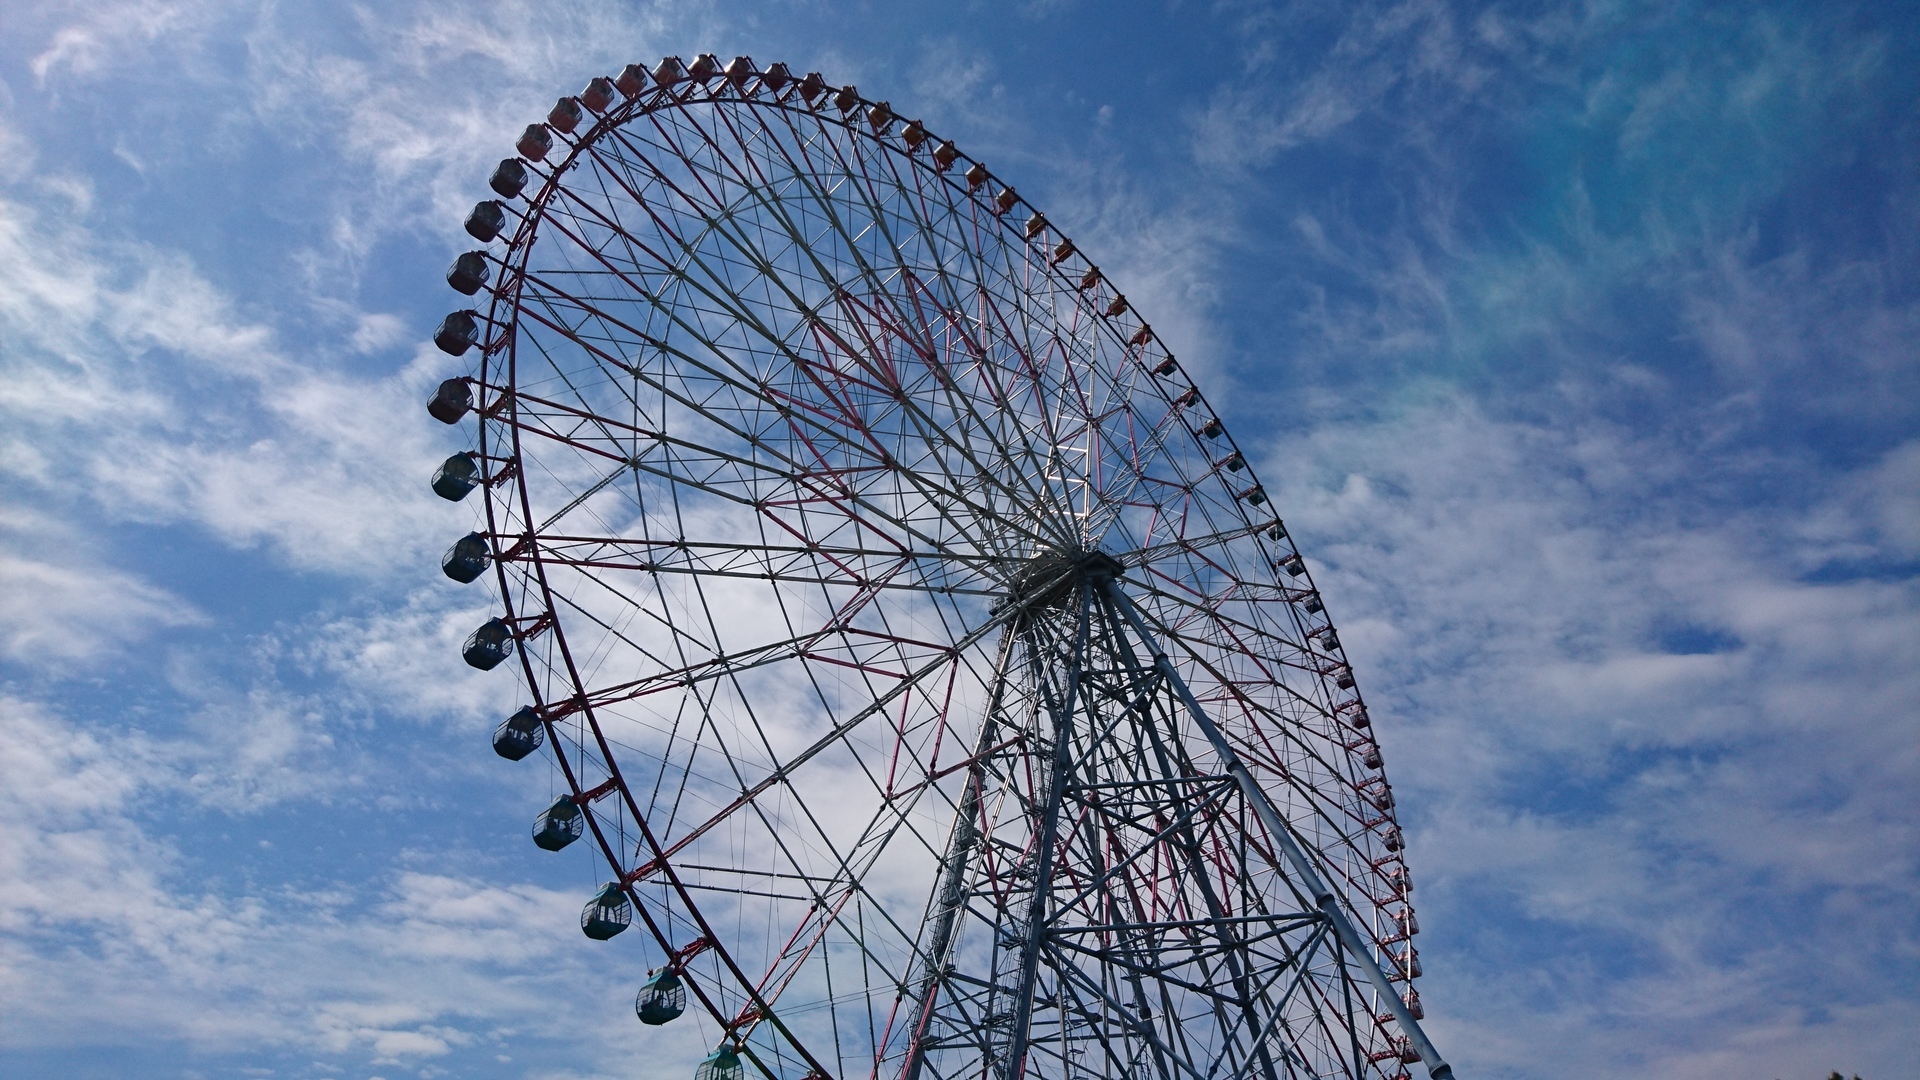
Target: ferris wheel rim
521,245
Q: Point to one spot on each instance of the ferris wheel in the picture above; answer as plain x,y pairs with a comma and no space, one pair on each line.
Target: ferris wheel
916,645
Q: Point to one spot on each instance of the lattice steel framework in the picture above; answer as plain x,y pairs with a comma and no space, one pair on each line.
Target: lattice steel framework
931,669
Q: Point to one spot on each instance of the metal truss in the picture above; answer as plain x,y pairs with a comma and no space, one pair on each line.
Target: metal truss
1138,908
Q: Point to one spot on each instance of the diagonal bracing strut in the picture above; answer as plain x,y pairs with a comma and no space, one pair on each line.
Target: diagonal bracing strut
1256,796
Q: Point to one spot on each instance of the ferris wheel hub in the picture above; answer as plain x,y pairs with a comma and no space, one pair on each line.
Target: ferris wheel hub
1050,578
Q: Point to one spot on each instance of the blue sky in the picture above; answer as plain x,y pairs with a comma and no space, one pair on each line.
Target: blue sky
1577,342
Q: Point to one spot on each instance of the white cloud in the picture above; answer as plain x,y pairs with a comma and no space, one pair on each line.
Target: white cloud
1379,55
97,35
1890,501
105,933
1684,828
66,608
1241,128
132,382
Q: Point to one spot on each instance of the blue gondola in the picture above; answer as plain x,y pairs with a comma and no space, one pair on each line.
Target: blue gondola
559,825
468,272
455,477
607,914
509,177
662,998
451,401
458,332
519,735
486,219
489,645
466,559
722,1064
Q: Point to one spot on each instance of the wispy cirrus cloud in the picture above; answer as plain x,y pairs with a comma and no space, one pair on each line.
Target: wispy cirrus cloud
135,389
105,928
1640,734
208,436
1569,452
66,605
